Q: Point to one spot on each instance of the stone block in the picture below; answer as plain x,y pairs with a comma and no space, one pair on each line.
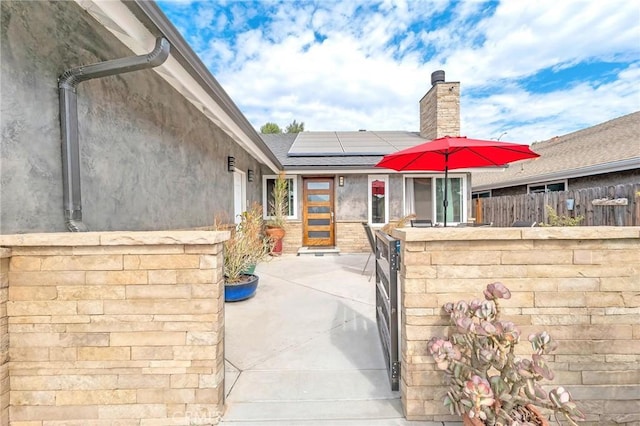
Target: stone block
92,353
47,278
560,299
90,307
211,261
53,307
148,338
604,299
136,411
63,354
630,283
163,276
49,413
116,277
32,293
184,380
83,263
179,396
197,276
95,397
163,306
625,377
151,352
151,291
202,338
32,398
490,272
91,292
416,258
162,261
68,381
194,352
142,381
25,263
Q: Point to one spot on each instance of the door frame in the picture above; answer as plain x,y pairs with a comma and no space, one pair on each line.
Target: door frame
305,204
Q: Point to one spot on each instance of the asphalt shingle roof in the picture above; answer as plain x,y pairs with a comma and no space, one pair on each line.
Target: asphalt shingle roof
610,146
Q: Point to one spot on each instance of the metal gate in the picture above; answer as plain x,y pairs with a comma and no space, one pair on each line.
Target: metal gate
387,265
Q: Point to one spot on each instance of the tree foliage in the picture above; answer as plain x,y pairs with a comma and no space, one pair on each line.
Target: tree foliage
270,128
273,128
295,127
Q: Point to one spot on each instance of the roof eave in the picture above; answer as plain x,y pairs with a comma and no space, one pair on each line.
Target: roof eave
612,167
137,23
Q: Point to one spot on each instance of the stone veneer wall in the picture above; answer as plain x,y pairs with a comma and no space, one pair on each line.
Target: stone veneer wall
581,284
351,237
5,254
109,328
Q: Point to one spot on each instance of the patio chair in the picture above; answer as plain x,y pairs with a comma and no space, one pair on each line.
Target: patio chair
372,245
523,224
421,223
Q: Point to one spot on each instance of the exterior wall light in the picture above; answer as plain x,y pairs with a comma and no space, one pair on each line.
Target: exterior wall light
340,180
231,164
250,175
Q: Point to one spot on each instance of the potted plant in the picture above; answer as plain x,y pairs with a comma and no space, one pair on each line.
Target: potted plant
246,247
279,209
488,383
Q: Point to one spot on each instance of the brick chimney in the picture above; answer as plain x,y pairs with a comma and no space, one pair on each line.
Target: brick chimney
440,108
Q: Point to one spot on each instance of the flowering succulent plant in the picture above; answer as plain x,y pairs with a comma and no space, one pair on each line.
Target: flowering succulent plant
487,380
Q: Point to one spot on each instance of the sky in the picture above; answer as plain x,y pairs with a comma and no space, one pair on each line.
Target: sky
533,69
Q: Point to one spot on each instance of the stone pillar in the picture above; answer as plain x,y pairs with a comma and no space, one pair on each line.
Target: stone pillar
5,255
115,327
440,109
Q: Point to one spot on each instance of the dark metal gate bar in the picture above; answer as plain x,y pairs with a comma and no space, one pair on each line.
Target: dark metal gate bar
387,264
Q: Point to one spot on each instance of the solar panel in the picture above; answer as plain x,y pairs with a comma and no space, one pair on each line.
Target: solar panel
352,143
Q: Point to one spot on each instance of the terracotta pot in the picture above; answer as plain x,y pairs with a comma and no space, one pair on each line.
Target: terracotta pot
276,234
536,418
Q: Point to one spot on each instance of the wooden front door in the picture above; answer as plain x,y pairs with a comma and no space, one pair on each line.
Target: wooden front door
317,216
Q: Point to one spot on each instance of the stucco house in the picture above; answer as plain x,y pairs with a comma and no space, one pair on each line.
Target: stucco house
605,154
149,141
337,187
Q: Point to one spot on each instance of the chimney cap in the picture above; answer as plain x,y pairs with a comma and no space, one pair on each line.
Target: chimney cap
437,77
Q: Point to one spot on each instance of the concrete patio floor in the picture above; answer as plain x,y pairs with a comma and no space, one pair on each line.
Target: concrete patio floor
305,350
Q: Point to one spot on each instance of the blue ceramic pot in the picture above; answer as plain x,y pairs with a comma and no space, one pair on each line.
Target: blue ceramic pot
241,291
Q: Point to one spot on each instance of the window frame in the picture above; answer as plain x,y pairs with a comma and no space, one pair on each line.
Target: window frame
370,179
265,198
565,182
434,177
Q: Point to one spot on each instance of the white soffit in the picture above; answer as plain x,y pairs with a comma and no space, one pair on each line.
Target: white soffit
117,18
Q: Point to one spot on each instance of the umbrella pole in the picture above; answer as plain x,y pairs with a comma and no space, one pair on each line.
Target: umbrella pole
446,174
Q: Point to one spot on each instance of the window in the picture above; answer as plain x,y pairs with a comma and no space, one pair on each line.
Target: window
267,196
378,199
424,196
547,187
482,194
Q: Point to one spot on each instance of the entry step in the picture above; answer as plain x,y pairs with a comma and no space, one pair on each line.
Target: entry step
319,251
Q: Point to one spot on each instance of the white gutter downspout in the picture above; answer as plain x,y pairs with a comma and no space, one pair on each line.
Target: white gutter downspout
69,121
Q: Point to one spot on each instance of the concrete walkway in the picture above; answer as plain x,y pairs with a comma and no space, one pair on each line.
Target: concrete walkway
305,350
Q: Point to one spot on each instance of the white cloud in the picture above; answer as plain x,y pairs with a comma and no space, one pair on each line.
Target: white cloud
372,62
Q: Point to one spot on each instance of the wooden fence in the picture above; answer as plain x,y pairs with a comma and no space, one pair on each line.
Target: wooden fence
617,205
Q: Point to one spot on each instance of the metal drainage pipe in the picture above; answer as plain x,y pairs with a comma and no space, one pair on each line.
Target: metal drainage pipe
67,84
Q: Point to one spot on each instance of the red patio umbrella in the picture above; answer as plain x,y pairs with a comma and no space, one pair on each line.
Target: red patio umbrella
459,152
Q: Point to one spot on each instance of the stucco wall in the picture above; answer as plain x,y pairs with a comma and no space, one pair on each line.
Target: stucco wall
149,159
107,328
581,284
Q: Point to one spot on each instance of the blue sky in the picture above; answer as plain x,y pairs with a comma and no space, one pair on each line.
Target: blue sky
533,69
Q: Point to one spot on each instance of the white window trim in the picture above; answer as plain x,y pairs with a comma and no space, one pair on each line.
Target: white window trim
433,177
265,200
385,179
546,184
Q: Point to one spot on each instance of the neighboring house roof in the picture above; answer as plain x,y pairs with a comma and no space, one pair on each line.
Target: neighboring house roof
612,146
356,150
137,24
